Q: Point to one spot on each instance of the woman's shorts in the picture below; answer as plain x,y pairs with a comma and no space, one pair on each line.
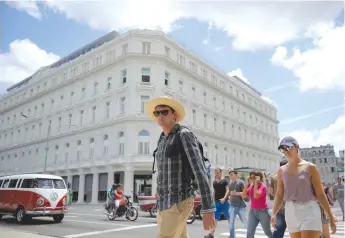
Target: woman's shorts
303,216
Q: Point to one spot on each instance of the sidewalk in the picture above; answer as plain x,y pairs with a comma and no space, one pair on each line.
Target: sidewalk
9,232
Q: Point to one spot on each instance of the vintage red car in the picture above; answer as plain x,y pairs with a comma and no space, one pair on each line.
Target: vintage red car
31,195
148,204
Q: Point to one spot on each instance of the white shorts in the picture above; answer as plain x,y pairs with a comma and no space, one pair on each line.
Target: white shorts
117,203
303,216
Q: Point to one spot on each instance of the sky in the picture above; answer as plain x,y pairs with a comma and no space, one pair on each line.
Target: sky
292,51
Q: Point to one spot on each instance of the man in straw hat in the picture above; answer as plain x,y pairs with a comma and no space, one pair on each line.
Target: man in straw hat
175,195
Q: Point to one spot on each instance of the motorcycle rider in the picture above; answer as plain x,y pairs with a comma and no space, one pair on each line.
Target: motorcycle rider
118,192
111,197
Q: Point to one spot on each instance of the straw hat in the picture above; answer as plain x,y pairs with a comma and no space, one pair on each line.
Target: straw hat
164,100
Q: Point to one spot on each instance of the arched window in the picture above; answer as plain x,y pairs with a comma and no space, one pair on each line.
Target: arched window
121,143
143,142
105,145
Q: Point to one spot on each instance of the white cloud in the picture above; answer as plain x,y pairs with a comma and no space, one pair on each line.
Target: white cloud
334,134
23,59
252,25
306,116
31,7
238,72
321,67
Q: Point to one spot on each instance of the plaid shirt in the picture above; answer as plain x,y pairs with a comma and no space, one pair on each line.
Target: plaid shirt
171,189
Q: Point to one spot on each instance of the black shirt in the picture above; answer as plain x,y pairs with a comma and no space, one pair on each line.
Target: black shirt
220,188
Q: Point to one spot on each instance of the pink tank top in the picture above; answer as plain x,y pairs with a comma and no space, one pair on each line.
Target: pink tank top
298,188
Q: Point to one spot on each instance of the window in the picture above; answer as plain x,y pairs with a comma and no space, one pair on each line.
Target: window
144,100
42,108
193,117
107,110
124,76
121,143
214,79
13,183
81,115
71,97
56,154
93,116
214,102
167,51
59,123
69,119
82,95
35,113
205,121
194,92
146,47
215,124
92,148
124,49
105,145
95,88
109,82
66,152
79,150
145,75
144,142
180,84
122,105
167,77
224,127
205,98
61,100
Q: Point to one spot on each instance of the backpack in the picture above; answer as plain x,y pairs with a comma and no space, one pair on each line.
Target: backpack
185,162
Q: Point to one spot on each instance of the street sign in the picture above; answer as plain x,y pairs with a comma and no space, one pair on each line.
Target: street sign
340,169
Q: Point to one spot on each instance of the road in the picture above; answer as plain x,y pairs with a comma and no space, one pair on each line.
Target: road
89,221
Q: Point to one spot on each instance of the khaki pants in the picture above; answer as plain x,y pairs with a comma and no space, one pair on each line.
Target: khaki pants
172,223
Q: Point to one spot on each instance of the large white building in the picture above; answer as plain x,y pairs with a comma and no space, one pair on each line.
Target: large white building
325,160
83,117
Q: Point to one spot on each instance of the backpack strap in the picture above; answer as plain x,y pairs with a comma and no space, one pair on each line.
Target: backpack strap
154,156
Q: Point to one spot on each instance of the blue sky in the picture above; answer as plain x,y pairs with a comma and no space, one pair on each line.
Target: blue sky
57,29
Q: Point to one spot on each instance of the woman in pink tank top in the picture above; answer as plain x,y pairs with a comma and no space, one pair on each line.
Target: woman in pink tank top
299,185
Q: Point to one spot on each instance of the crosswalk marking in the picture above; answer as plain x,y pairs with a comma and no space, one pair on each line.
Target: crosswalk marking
260,233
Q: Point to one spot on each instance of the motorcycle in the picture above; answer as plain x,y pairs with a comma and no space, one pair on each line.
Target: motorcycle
190,220
127,210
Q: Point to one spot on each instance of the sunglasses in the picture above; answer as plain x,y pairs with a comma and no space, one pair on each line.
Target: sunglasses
162,112
285,149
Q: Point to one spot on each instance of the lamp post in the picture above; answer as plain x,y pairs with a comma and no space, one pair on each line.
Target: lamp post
47,142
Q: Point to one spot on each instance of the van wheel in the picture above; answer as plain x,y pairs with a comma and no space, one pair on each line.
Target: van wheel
58,218
20,214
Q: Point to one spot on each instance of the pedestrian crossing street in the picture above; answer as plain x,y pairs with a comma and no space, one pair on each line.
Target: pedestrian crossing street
260,233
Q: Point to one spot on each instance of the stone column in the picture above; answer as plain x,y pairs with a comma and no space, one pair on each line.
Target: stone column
94,198
129,181
81,188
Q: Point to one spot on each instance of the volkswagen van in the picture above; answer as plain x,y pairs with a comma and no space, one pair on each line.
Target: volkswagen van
32,195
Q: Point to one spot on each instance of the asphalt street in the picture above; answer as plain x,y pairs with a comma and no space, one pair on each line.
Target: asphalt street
90,222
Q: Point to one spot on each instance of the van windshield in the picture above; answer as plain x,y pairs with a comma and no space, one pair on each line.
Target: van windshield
50,183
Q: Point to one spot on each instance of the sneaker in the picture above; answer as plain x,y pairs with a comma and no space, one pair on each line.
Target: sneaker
209,236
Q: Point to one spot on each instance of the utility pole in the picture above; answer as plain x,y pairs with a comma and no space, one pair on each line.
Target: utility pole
46,157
